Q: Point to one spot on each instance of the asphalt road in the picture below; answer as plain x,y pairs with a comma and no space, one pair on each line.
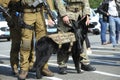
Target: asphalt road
104,58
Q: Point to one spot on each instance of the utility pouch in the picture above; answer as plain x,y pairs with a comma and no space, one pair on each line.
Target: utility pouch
26,44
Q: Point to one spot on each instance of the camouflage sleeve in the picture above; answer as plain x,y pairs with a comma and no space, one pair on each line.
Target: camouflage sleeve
4,3
61,8
86,9
50,2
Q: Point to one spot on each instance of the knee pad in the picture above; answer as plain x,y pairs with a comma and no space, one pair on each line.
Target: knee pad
26,44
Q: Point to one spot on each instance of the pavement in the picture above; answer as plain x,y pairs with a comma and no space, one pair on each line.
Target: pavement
95,42
105,58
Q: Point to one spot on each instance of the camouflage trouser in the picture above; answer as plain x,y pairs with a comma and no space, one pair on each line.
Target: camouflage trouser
36,20
62,59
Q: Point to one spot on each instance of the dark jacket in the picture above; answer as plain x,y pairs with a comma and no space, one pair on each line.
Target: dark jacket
103,9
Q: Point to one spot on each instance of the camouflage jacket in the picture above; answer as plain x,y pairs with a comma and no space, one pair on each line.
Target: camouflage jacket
73,8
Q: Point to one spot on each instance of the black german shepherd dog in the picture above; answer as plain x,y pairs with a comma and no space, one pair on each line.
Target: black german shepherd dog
45,47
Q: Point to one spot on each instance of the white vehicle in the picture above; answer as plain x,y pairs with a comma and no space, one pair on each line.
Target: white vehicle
94,22
4,31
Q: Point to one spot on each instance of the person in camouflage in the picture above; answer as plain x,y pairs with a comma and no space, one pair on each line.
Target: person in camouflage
34,22
70,11
32,16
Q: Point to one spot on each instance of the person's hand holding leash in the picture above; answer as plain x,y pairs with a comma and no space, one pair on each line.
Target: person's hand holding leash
51,22
66,20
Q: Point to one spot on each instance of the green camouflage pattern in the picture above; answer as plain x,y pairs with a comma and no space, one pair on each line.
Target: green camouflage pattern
82,5
27,2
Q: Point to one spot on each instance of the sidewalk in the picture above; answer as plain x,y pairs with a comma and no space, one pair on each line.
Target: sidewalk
95,42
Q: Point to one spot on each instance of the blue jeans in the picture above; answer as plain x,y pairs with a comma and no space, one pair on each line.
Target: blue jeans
103,30
114,23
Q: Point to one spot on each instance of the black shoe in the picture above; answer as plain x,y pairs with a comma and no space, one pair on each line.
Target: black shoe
63,70
87,67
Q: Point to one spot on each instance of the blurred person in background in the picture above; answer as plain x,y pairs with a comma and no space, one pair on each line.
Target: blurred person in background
103,19
70,11
111,9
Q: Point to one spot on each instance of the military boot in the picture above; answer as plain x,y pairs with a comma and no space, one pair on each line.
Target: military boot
87,67
63,70
23,74
47,72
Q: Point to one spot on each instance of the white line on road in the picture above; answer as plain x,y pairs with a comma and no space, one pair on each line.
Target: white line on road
4,56
5,51
108,51
51,78
55,78
99,72
107,74
98,55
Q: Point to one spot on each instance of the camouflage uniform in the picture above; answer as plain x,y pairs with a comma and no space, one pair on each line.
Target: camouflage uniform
72,9
33,17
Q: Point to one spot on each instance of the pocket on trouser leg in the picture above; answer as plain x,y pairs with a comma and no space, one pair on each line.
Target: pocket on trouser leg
26,44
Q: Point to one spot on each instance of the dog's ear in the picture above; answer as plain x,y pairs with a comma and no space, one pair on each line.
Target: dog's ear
74,24
79,18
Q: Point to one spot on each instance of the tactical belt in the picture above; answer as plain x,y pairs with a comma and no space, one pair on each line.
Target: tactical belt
24,25
32,10
73,9
28,27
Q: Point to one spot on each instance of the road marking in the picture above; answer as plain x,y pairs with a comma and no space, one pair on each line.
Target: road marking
4,56
99,72
54,64
107,74
5,51
4,65
110,51
111,56
105,62
55,78
51,78
96,55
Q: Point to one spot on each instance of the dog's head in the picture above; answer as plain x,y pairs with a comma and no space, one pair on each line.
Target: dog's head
80,30
79,27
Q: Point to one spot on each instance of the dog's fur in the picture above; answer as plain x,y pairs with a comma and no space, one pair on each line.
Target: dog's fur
46,46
